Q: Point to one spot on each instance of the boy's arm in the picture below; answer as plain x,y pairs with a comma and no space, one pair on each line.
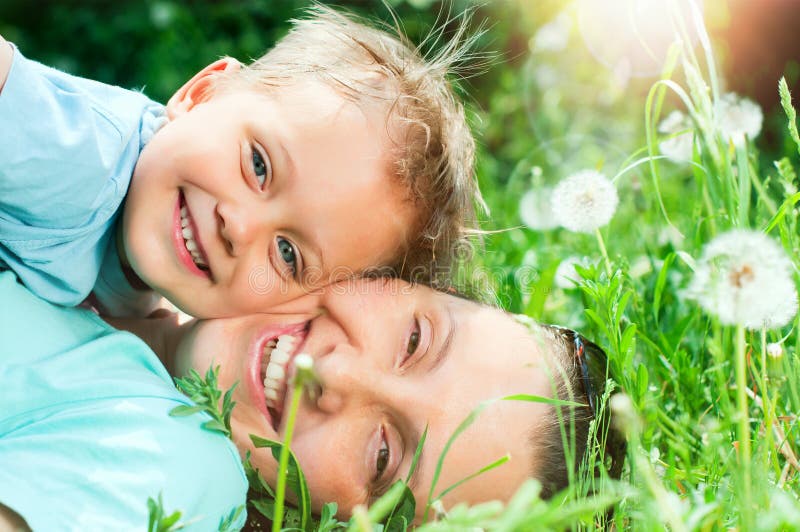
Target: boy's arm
6,56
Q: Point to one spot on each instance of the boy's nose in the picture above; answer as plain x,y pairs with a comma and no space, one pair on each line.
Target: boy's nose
237,227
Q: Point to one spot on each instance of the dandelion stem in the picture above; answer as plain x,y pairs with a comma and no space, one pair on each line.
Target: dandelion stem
603,251
744,418
283,462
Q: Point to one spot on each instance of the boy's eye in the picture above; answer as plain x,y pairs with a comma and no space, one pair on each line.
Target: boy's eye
261,167
287,254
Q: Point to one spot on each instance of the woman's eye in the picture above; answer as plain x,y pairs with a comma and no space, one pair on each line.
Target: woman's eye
413,339
261,168
382,460
288,254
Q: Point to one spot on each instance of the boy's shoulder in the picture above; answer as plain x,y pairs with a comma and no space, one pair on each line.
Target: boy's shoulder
67,152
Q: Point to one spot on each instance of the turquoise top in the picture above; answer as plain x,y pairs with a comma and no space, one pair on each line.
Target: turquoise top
68,147
85,431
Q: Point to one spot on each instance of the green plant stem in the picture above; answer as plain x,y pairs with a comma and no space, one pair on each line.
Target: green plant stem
744,418
710,208
767,406
283,463
603,251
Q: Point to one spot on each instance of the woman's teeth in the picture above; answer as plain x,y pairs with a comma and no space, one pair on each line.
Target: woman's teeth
273,366
188,240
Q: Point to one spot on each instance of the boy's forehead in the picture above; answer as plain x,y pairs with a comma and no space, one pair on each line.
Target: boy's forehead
330,97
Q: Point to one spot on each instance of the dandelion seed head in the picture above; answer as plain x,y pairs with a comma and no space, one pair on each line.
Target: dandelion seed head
584,201
679,148
303,361
536,209
775,350
623,412
745,278
738,118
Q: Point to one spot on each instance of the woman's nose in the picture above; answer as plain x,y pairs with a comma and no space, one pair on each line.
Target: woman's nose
346,379
238,226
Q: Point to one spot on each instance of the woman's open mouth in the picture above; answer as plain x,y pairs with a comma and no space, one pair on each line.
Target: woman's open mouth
276,355
187,240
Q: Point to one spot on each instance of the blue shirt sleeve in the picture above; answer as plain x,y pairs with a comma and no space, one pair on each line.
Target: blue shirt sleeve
85,432
68,147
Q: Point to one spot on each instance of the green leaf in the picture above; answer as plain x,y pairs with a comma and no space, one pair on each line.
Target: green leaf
186,410
497,463
658,292
265,506
206,396
157,520
228,524
215,425
327,518
539,399
295,479
787,206
469,420
791,115
386,505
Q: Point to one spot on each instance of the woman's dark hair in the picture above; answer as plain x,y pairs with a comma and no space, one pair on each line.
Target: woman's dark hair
583,376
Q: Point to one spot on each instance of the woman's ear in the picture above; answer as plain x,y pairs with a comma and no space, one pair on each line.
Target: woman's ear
200,87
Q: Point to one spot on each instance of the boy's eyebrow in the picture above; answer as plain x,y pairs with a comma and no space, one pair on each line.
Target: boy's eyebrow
309,243
288,162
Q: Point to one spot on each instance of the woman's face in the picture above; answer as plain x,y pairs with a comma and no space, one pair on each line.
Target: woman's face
392,360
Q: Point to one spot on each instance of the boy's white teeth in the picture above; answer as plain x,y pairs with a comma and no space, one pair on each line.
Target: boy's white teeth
274,364
189,241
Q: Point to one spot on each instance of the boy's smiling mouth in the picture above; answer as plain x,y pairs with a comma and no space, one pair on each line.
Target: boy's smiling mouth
187,240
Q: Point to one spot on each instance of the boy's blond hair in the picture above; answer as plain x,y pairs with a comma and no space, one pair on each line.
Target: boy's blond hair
434,151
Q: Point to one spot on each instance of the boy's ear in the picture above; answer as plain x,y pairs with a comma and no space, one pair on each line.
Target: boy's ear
200,87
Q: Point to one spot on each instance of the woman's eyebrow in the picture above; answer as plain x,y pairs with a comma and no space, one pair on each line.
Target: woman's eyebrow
447,343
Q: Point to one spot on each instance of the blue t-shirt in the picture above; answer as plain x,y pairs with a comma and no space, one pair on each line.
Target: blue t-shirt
68,147
85,431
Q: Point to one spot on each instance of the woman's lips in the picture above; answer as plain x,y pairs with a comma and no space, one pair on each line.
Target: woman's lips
255,376
184,255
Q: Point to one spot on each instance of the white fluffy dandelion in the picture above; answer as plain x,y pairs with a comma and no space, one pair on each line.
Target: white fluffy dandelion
584,201
738,118
678,148
745,278
536,209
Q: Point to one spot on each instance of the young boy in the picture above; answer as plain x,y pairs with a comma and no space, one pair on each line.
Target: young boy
339,151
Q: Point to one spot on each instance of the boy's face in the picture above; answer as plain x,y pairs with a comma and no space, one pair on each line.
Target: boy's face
246,200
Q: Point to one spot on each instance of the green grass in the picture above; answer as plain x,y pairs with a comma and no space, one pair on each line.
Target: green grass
712,427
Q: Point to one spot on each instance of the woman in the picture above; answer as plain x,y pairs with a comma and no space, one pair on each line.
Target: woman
86,436
394,360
